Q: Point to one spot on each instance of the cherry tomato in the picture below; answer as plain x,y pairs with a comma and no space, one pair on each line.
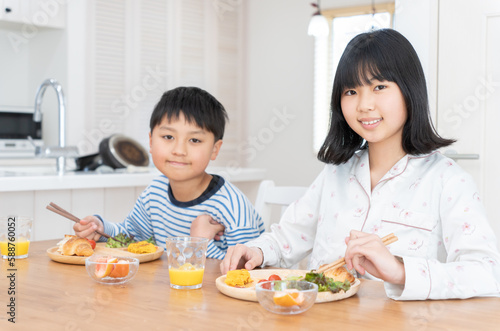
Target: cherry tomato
262,280
92,243
274,277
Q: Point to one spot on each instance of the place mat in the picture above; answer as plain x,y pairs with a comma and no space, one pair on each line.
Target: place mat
101,249
248,293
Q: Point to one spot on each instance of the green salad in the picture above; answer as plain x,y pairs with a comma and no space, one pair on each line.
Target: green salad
123,240
326,283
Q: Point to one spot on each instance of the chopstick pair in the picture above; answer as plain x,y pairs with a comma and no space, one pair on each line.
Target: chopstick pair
58,210
387,240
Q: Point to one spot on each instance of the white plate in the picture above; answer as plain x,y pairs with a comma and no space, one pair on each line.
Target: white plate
248,293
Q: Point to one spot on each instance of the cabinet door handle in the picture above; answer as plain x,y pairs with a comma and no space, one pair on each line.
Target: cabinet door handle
8,10
462,156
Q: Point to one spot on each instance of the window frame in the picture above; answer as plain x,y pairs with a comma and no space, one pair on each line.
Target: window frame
323,81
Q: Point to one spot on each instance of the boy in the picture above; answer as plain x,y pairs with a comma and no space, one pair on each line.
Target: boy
187,126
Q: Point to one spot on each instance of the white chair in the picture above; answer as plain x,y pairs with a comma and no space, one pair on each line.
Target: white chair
269,195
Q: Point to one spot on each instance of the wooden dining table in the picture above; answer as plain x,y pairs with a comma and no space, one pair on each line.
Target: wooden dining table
55,296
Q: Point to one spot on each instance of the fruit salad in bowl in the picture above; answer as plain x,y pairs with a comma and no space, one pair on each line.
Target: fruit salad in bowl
111,269
286,297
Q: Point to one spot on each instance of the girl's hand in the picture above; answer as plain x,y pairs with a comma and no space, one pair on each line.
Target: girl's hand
205,226
241,256
87,228
367,252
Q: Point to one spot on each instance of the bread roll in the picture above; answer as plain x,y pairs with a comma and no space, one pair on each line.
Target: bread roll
340,275
65,240
77,246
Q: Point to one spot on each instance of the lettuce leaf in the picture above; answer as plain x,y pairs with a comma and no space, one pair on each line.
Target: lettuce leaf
326,283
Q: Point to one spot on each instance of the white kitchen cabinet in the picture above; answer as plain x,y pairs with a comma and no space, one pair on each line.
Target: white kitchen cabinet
13,10
112,203
47,13
34,13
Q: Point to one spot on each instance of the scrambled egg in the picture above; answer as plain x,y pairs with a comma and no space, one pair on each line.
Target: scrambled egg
238,278
141,247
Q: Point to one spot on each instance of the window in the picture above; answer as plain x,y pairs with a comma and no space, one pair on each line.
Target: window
344,25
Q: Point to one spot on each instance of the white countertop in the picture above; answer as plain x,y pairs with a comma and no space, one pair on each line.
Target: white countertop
45,178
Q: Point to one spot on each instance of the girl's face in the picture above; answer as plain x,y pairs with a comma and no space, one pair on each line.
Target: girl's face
376,111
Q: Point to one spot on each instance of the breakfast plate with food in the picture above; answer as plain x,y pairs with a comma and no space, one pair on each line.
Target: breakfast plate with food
333,285
75,250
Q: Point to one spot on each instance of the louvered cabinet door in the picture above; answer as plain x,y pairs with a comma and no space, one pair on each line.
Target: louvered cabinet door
108,71
139,49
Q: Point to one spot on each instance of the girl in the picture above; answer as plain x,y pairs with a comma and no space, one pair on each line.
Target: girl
384,175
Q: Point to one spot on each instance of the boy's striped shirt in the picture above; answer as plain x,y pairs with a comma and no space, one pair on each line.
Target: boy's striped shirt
157,213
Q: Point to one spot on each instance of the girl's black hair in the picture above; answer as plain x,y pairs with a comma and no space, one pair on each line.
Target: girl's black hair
197,105
384,55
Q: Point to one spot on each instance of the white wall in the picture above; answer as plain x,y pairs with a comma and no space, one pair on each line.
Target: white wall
279,71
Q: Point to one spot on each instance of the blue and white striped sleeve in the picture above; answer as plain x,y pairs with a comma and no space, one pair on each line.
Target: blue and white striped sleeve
137,223
239,217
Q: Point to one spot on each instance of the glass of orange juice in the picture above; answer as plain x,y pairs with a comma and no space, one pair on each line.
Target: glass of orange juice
186,261
15,236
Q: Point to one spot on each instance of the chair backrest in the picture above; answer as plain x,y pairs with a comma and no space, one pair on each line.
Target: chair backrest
269,195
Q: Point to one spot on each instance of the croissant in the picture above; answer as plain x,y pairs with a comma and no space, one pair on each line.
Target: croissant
77,246
340,275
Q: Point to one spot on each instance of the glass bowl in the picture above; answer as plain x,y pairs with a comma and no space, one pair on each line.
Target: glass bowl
286,297
111,270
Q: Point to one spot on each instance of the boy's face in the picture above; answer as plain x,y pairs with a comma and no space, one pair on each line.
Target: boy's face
182,150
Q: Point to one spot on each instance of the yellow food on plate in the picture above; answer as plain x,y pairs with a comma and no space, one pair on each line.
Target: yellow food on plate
238,278
141,247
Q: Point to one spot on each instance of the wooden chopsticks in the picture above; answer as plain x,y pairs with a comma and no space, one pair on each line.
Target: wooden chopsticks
389,239
58,210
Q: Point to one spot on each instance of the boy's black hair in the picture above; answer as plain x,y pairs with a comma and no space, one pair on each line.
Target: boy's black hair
197,105
384,55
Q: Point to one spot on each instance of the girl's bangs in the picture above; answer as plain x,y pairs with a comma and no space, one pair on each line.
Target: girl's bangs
361,68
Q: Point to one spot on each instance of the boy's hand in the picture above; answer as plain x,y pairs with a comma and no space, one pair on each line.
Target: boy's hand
205,226
87,228
241,256
367,253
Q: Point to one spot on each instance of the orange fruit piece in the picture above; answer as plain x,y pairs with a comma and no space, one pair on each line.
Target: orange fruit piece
121,269
104,267
288,298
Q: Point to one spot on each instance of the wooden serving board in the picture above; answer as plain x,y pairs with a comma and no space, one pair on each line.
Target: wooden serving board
248,293
101,249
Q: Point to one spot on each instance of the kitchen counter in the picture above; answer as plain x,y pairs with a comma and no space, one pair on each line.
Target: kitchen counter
45,178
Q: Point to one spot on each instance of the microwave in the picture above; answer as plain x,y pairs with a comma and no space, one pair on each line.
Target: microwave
16,125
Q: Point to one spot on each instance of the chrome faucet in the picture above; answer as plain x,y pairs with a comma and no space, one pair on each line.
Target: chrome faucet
60,152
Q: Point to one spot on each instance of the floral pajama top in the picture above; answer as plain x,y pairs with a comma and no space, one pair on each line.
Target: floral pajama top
427,201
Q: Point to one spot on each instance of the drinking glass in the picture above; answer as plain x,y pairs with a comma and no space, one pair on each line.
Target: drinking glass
186,261
15,236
